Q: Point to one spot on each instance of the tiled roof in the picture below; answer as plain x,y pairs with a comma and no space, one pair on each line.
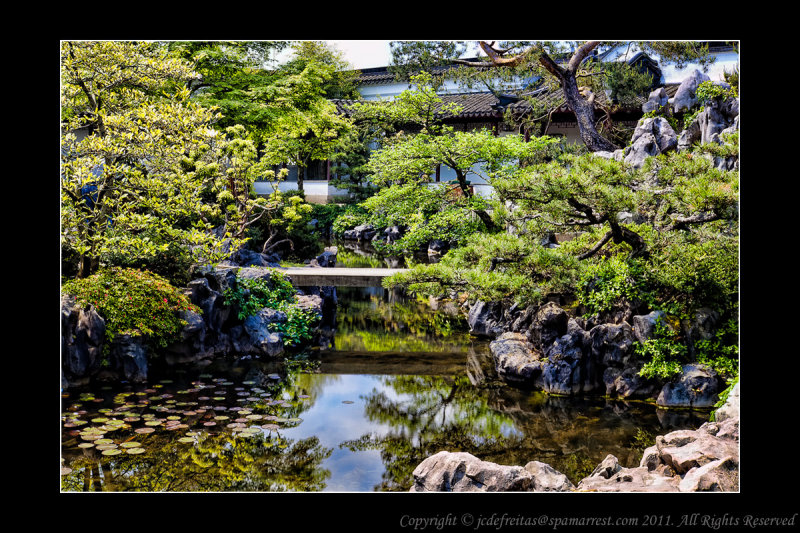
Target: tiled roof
485,104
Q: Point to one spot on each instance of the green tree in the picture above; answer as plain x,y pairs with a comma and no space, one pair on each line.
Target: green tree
309,126
124,186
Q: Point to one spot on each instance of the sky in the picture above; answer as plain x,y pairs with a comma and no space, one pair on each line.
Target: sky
364,53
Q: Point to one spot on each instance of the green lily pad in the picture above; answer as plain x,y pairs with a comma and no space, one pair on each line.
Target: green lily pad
131,444
105,447
104,441
134,451
186,440
86,445
115,451
100,420
153,423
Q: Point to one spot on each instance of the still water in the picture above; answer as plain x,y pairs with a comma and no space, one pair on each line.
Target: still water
399,382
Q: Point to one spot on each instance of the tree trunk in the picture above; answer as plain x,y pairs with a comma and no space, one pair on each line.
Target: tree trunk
301,170
584,113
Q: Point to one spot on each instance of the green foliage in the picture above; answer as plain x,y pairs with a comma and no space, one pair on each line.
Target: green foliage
626,82
352,216
250,295
663,352
134,302
722,352
134,186
607,281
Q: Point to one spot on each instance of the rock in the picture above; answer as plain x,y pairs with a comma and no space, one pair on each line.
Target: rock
485,319
611,344
730,410
644,325
259,329
548,479
721,475
248,258
128,357
515,358
549,323
363,232
82,336
393,233
697,387
607,468
655,101
626,383
327,258
438,247
685,97
652,136
463,472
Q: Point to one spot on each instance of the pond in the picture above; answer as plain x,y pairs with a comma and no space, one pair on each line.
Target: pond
400,382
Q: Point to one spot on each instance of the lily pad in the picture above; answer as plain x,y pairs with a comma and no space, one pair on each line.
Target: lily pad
115,451
86,445
134,451
131,444
144,430
186,440
65,470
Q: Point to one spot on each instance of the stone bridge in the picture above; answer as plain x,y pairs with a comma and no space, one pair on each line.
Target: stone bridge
338,276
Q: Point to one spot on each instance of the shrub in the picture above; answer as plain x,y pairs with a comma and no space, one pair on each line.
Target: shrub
664,353
134,302
608,281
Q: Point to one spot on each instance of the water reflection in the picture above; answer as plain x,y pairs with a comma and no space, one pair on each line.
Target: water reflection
401,383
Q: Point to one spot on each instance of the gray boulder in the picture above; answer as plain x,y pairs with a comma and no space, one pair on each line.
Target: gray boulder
697,387
549,323
485,319
82,335
611,344
644,325
259,329
515,358
652,136
327,258
128,358
685,97
655,101
463,472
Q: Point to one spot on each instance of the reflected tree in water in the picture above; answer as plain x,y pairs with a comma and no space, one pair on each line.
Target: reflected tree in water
215,463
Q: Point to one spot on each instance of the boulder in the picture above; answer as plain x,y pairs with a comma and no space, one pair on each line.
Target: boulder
327,258
515,358
463,472
656,100
82,335
697,387
611,344
259,330
363,232
128,358
652,136
685,96
644,325
485,319
549,323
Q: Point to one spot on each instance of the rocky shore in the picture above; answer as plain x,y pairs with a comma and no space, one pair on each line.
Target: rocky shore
705,459
215,332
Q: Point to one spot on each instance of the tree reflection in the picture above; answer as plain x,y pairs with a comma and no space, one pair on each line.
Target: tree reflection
215,462
428,415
